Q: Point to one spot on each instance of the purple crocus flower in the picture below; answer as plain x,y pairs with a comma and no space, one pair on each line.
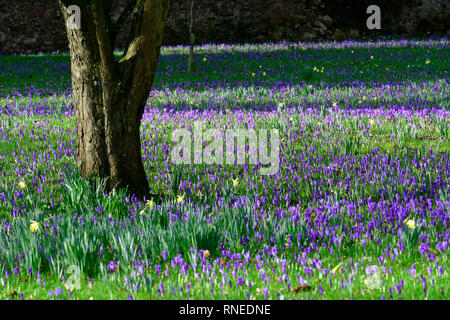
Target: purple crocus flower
112,266
265,292
424,248
424,283
58,291
371,270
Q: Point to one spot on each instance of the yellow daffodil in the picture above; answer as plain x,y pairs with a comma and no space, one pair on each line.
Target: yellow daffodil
371,57
264,74
427,61
335,269
22,185
280,105
180,199
142,212
235,182
260,67
335,104
34,226
371,121
150,203
411,224
204,59
253,74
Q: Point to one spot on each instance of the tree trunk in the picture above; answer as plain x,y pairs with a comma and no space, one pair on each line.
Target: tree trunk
191,63
123,147
110,96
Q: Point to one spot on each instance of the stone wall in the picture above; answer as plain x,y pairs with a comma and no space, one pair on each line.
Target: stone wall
33,26
430,16
401,17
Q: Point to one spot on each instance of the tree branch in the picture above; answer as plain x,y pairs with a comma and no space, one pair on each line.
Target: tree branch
134,30
141,56
103,39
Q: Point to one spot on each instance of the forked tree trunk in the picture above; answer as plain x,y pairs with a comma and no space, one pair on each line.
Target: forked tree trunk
109,95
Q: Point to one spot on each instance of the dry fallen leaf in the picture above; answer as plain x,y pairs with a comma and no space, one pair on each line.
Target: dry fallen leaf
303,287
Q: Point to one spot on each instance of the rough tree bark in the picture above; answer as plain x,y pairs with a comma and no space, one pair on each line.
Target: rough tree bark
110,95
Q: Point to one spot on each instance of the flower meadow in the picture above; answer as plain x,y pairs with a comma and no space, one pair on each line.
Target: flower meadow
359,208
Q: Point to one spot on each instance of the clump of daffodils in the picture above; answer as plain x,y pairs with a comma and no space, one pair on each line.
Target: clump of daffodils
280,107
34,226
22,185
411,224
335,269
150,203
180,199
